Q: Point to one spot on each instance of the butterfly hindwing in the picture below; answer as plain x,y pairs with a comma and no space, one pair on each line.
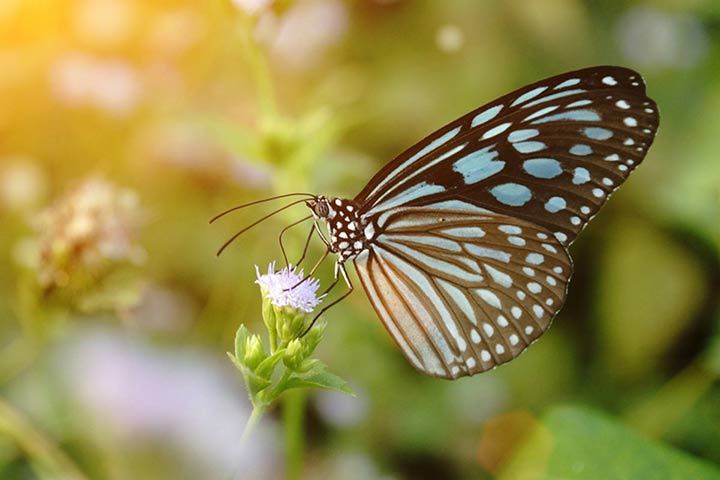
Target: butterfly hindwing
462,289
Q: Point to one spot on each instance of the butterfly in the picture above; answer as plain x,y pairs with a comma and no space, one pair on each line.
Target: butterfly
461,242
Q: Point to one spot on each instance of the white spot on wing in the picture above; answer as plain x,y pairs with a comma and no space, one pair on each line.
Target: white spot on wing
608,80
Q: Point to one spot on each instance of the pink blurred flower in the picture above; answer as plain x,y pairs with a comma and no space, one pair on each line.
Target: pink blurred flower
182,399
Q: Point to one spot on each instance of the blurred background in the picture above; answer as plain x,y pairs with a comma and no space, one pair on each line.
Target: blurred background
126,124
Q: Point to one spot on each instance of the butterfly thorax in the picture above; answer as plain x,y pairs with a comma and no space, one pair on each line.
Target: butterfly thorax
349,234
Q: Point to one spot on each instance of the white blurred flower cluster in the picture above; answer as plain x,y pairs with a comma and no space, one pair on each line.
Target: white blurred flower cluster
300,37
112,85
91,225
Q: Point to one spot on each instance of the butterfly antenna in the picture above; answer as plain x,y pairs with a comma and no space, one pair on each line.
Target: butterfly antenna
274,212
249,204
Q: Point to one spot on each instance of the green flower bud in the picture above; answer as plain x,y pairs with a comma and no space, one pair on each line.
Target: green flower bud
254,352
294,354
313,337
270,319
291,324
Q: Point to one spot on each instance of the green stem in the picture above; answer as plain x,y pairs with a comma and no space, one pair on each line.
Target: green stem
255,416
259,68
293,420
37,446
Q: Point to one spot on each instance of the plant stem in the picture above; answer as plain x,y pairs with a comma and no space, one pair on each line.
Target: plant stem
253,419
37,446
293,420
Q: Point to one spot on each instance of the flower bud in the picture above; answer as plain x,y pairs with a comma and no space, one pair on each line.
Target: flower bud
291,324
294,354
313,337
254,352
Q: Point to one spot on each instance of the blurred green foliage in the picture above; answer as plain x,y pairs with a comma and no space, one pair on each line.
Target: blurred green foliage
198,106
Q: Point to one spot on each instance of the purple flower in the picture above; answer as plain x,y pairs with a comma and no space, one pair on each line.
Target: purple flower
282,288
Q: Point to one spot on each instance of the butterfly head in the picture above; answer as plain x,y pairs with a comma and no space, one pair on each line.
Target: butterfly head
320,207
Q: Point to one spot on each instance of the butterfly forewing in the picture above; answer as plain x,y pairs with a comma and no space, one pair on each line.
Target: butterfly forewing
550,153
460,288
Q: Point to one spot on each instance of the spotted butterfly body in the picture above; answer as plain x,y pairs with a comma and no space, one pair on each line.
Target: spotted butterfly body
461,241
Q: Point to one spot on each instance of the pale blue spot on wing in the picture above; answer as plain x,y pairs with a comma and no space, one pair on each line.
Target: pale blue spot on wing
579,103
418,171
489,297
542,167
458,296
567,83
573,115
529,147
416,191
458,205
597,133
580,176
464,232
554,96
485,252
535,258
427,240
499,277
581,150
555,204
434,262
486,115
441,140
512,194
520,135
510,229
478,165
541,112
528,95
496,130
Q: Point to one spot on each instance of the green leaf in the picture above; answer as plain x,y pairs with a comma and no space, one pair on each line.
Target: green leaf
267,366
319,378
579,443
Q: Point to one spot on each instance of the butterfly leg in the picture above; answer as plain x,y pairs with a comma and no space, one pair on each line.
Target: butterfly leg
312,271
307,242
341,268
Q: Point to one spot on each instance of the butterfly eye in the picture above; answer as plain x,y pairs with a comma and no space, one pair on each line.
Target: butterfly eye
321,209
